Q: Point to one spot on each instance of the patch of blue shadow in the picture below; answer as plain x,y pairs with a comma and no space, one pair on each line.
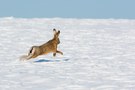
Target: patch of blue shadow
49,60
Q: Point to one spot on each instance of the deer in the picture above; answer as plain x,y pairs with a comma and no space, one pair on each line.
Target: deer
48,47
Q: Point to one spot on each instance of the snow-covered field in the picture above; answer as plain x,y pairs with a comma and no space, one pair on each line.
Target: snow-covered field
99,54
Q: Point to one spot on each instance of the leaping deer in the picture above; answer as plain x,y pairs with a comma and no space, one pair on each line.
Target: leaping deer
48,47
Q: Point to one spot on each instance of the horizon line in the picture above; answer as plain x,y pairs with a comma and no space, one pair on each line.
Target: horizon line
12,17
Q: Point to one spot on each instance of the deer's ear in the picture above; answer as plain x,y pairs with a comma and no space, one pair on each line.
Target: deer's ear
59,32
54,30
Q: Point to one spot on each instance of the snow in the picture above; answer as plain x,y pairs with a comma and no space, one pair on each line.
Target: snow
99,54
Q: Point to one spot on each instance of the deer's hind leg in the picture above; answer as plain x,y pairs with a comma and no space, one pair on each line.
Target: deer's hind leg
32,53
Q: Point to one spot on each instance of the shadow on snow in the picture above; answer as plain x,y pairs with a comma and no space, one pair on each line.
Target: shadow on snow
49,60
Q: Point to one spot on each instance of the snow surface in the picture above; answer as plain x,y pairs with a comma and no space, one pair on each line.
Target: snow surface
99,54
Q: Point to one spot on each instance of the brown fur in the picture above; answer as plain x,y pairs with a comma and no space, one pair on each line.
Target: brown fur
49,47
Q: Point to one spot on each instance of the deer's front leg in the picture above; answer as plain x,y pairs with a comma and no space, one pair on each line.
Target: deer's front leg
59,52
54,54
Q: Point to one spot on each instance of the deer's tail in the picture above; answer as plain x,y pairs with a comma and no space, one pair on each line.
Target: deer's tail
30,54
